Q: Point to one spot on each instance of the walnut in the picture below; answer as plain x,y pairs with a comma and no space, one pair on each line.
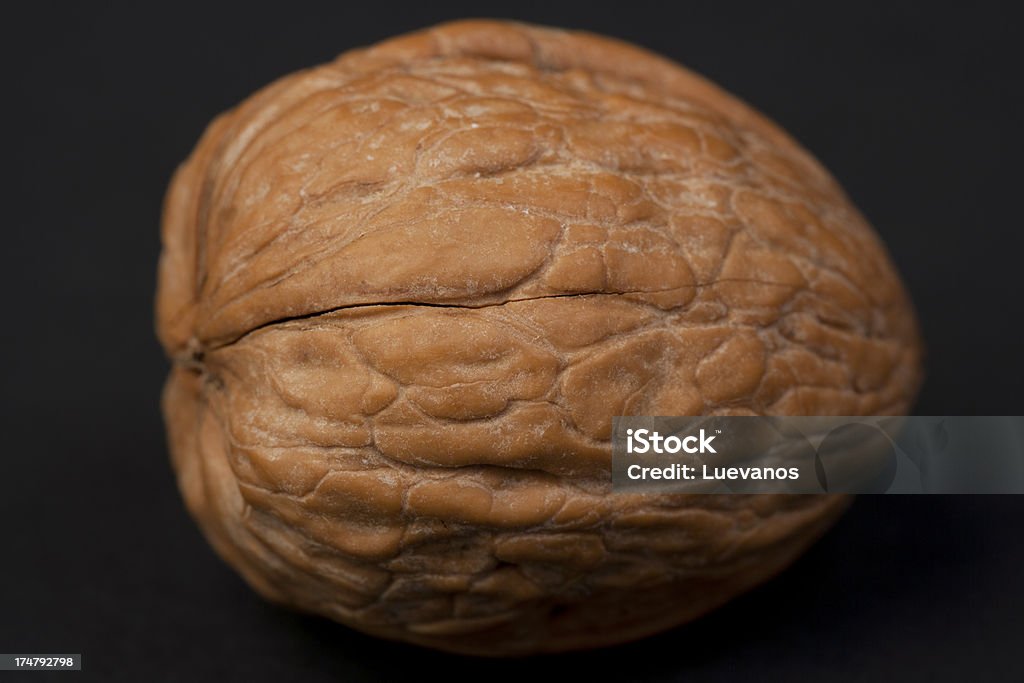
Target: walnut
405,293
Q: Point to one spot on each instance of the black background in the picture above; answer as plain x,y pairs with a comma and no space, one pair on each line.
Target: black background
916,109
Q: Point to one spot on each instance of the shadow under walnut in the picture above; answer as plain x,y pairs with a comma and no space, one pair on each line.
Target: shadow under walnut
406,291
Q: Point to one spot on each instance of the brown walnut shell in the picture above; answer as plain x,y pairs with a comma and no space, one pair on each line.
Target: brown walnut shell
406,291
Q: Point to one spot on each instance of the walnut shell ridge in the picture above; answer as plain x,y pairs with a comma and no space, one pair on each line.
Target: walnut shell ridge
406,291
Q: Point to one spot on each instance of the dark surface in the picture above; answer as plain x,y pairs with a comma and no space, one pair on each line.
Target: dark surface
916,111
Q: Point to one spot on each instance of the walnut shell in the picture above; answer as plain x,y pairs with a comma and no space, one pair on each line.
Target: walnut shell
406,291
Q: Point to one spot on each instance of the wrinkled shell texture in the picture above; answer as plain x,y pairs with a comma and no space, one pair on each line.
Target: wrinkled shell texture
406,291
